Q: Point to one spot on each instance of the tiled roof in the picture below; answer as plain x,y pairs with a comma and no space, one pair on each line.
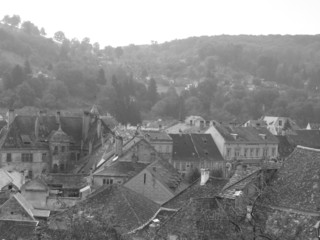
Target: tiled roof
239,181
156,135
121,169
2,123
297,183
194,147
67,181
167,175
128,209
245,134
17,230
307,138
211,189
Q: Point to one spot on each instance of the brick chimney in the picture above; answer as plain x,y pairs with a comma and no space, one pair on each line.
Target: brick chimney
205,175
11,116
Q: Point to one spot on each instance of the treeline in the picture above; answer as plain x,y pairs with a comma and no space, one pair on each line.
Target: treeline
228,78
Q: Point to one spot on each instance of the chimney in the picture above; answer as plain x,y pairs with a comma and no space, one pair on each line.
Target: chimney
119,144
23,178
58,115
11,116
205,174
85,124
99,123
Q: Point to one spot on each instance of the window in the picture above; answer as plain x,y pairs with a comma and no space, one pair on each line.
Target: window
55,150
9,159
237,152
251,152
30,174
183,166
168,149
63,148
27,157
144,178
273,152
44,157
107,181
280,123
246,152
228,152
257,152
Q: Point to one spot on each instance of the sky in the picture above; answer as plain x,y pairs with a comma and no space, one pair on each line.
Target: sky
124,22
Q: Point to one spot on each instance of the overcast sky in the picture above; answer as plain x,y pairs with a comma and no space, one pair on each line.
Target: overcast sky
123,22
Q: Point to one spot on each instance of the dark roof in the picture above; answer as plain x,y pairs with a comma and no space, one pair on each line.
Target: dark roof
66,181
245,134
285,148
211,189
3,123
17,230
307,138
121,169
156,136
298,181
239,181
129,209
195,147
167,175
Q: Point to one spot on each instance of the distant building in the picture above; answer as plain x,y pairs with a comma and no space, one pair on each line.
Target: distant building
192,151
279,125
246,144
43,143
313,126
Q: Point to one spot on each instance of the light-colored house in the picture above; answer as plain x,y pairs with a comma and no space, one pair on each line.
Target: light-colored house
247,144
159,182
279,125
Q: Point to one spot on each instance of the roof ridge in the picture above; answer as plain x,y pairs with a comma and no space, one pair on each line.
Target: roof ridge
307,148
223,189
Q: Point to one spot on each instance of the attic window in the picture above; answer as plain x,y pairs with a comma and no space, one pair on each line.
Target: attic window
234,135
204,139
263,136
206,152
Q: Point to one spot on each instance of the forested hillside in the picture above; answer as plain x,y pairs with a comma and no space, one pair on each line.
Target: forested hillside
227,78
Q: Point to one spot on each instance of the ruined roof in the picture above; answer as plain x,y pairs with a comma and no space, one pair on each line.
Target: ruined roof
297,182
121,169
285,148
239,181
307,138
167,175
194,147
245,134
66,181
211,189
128,209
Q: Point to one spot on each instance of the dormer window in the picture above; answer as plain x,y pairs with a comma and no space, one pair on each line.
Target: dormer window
234,135
263,136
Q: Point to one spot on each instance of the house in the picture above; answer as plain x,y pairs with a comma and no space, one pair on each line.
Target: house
45,143
127,209
292,200
124,161
247,144
11,180
18,219
159,182
279,125
255,123
195,121
56,191
191,151
161,141
313,126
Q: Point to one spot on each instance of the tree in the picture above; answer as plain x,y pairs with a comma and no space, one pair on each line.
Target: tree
26,94
118,52
13,21
29,28
43,32
17,76
27,68
152,93
59,36
101,79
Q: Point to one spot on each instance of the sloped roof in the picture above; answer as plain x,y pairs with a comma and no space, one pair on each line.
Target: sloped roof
121,169
7,178
307,138
297,184
67,181
194,147
211,189
17,230
245,134
167,175
129,209
3,123
156,136
239,181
